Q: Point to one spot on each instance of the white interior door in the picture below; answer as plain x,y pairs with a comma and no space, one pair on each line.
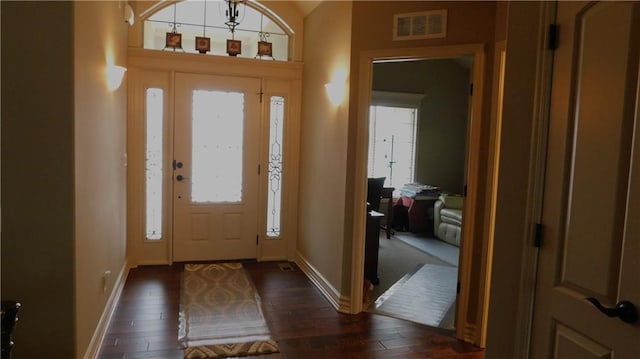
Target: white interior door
216,157
591,213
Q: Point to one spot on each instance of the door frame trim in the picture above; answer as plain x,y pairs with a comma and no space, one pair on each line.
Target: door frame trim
168,63
520,179
465,329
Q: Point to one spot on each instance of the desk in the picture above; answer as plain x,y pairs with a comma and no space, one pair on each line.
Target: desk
420,212
371,246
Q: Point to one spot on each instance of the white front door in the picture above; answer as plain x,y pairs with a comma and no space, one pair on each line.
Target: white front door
215,177
591,213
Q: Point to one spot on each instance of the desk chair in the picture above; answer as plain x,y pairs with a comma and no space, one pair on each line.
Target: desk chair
375,193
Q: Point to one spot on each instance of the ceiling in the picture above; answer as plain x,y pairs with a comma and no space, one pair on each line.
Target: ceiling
306,6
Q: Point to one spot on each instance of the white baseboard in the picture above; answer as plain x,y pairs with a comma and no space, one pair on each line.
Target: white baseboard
339,302
103,324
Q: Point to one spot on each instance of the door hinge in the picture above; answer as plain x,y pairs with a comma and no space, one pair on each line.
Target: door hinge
537,241
471,89
257,236
464,191
553,37
458,288
258,169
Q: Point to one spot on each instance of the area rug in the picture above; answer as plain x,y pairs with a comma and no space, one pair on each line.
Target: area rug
395,260
431,245
221,314
423,297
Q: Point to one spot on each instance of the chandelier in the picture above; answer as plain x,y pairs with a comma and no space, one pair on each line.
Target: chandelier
232,14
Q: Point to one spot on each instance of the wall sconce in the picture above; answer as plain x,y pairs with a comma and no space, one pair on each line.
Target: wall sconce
337,88
128,15
335,91
115,74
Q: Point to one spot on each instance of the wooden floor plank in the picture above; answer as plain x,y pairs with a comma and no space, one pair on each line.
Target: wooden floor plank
305,325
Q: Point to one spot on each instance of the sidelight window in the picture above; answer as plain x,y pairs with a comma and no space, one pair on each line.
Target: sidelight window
274,196
153,163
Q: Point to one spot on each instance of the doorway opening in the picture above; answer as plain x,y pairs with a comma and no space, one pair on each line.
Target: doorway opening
418,132
472,268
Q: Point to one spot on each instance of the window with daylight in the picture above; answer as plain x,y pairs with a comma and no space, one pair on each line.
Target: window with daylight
153,163
193,18
392,144
274,200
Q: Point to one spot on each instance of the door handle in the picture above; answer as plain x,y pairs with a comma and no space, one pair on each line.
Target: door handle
625,310
176,164
181,178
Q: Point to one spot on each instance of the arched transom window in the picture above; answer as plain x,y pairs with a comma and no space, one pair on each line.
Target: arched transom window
200,19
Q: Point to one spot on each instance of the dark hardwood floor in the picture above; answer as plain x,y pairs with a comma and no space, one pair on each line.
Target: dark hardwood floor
301,320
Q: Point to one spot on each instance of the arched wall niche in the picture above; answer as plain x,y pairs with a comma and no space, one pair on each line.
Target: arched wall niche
284,13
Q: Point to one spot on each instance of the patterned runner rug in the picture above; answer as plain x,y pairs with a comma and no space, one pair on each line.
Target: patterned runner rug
221,314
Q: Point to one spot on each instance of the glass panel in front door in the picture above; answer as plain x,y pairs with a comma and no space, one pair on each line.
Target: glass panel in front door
217,131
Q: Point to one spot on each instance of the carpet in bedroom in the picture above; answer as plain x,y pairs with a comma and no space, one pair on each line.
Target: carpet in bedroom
430,245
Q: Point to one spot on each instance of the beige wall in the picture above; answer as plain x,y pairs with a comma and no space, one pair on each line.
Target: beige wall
329,137
100,173
467,23
38,175
502,8
442,127
324,141
63,173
